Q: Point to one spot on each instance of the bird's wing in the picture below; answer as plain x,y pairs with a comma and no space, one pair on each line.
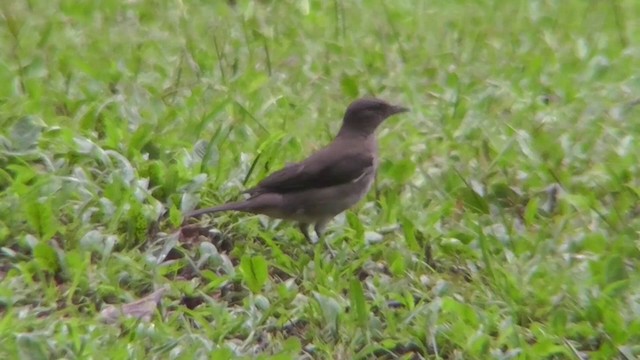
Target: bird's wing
323,169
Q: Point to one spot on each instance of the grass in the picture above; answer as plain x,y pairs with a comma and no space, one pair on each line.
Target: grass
504,222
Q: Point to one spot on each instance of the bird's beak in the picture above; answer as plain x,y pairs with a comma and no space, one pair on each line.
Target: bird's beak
397,109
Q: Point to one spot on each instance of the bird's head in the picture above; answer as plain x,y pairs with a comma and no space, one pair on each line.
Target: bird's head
363,116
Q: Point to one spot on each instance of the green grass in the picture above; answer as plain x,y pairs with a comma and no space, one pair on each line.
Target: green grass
505,221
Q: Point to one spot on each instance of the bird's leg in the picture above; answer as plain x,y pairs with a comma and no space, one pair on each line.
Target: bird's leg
304,229
319,228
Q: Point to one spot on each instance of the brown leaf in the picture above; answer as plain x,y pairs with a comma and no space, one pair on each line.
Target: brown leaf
140,309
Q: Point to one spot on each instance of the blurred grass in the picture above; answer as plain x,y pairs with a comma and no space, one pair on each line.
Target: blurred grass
504,222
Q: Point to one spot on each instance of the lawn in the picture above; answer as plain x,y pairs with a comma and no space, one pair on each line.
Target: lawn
504,222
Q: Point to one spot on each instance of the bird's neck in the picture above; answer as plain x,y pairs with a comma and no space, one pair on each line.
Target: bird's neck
357,141
349,132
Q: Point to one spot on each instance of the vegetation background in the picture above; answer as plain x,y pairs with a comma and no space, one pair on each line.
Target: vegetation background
504,223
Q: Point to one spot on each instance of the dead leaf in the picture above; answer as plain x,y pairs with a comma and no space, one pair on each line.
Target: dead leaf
139,309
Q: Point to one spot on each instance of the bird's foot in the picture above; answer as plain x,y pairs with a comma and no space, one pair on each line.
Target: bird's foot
332,253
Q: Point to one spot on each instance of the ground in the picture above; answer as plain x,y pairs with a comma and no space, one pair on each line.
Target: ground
504,222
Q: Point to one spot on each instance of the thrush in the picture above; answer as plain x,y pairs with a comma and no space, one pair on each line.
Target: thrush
330,181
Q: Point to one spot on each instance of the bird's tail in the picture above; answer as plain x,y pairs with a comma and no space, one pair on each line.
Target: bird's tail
232,206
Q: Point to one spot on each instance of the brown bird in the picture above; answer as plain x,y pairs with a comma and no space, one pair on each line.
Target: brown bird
330,181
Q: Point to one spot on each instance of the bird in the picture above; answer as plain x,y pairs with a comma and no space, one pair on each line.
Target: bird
333,179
